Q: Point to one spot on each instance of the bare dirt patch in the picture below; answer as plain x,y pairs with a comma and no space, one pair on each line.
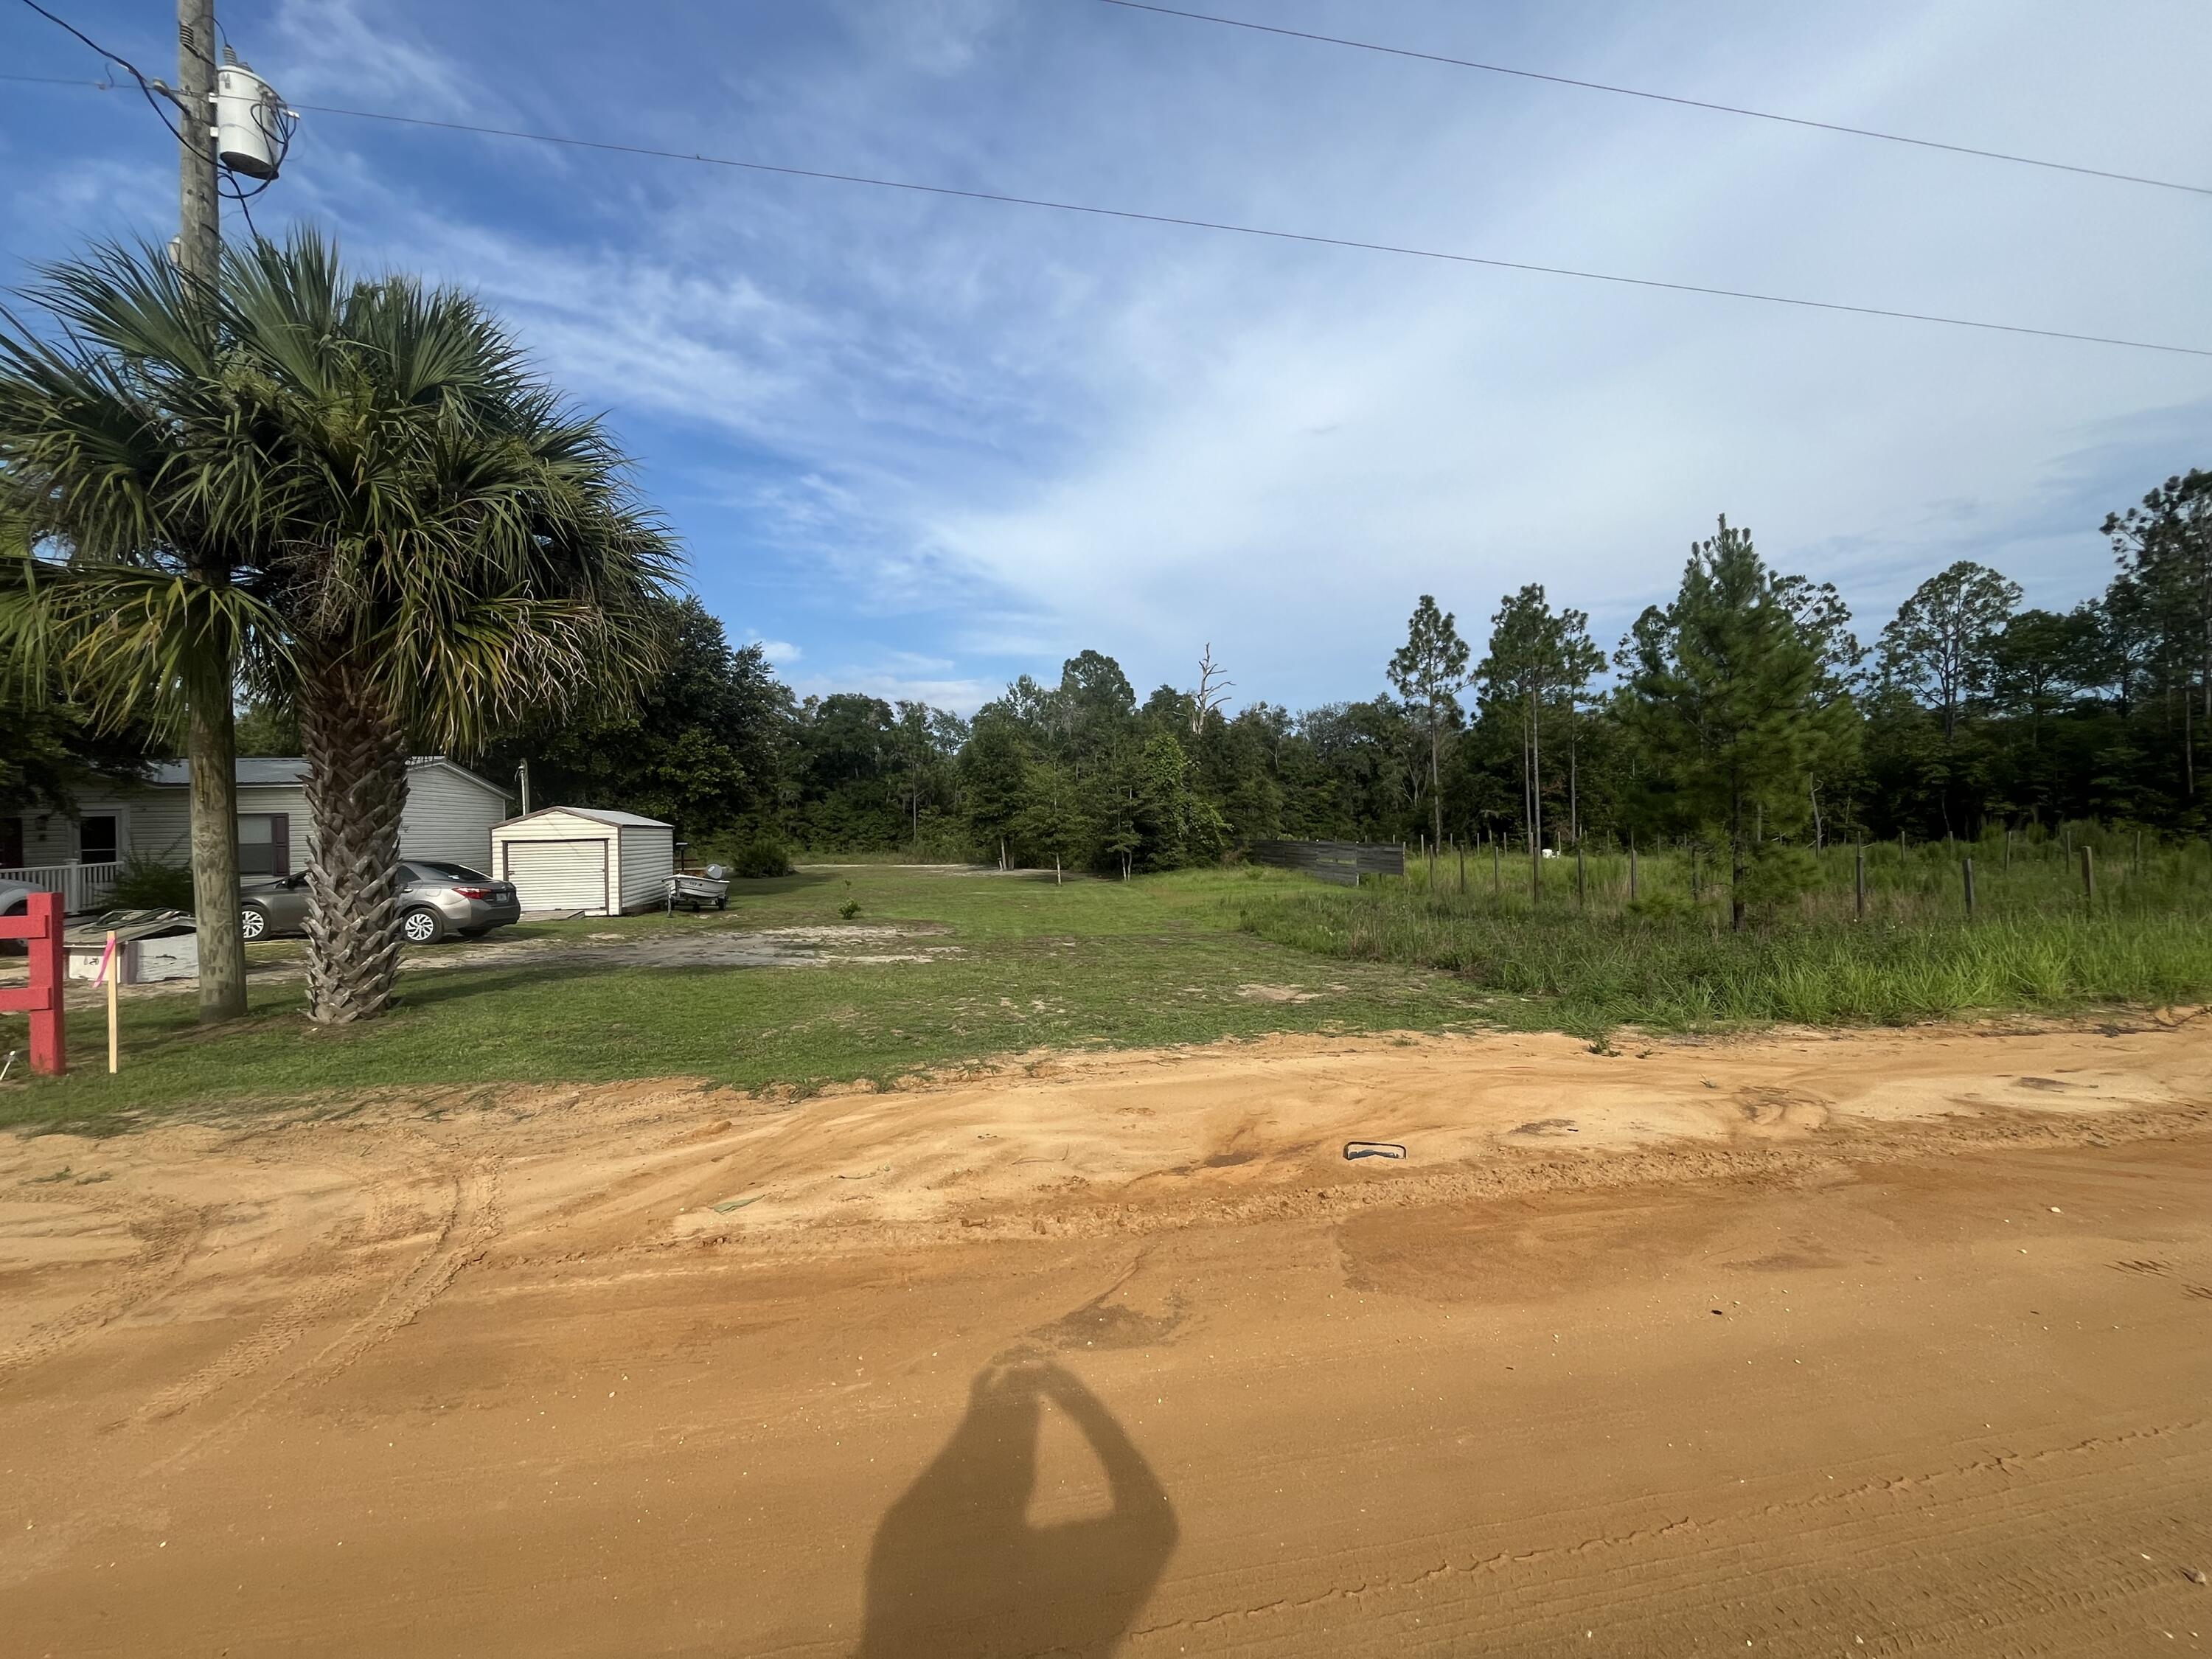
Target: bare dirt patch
1874,1343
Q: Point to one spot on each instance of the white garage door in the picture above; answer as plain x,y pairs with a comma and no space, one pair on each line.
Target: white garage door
558,875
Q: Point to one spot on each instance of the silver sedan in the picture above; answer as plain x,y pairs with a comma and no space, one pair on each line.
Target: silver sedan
435,899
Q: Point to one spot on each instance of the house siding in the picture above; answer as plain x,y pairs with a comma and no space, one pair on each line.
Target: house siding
48,838
449,816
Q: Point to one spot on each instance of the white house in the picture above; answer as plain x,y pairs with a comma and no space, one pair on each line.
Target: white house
586,857
449,815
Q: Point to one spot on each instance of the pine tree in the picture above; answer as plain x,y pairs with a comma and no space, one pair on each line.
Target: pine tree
1539,661
1428,670
1724,695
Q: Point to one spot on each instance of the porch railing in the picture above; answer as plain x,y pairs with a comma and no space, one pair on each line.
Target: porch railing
82,886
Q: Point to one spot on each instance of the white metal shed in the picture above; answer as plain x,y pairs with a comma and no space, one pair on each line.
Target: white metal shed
586,857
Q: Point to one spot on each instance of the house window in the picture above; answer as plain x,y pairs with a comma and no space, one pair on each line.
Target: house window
264,844
99,838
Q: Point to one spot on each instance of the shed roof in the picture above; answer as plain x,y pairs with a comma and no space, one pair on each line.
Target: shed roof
606,815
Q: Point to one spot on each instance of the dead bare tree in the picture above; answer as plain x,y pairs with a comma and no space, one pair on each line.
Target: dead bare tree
1212,692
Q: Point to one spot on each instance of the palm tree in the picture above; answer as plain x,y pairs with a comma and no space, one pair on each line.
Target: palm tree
438,548
114,441
459,551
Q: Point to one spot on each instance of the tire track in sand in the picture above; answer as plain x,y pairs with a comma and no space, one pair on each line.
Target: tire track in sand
349,1273
168,1231
469,1226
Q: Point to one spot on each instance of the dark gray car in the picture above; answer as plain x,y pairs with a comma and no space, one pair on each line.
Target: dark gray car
435,899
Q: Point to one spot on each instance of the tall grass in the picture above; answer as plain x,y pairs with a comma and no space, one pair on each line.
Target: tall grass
1670,960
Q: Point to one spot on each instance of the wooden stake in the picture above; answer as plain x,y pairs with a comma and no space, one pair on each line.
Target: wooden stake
1967,873
114,973
1858,881
1580,897
1632,866
2090,877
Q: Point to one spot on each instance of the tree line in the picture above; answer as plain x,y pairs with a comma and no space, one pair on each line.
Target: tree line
500,593
1747,716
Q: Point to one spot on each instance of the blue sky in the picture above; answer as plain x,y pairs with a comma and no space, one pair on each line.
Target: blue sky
922,445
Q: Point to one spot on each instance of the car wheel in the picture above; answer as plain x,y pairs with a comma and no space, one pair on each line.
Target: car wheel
253,924
421,927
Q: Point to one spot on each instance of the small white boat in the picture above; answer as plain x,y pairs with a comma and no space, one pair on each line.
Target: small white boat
699,891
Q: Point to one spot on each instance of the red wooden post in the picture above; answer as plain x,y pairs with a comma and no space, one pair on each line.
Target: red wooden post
41,925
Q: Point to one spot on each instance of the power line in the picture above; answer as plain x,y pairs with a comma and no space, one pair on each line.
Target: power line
1133,215
1310,237
1657,97
153,90
64,24
279,134
55,80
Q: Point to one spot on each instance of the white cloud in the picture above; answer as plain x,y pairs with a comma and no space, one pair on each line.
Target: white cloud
780,652
329,49
988,436
961,695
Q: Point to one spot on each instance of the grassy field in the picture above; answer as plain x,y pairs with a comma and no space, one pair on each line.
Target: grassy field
1190,957
1087,963
1585,957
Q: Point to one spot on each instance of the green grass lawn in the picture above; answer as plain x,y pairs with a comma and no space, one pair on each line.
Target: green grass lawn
1087,963
1189,957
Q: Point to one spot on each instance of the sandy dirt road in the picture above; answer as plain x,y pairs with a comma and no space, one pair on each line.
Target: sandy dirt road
1875,1345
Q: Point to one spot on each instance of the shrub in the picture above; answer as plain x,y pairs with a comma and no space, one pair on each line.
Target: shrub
145,883
762,855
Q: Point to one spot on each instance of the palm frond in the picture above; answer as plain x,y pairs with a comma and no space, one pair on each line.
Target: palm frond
116,637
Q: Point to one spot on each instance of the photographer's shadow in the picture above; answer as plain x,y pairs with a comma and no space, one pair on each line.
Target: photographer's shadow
958,1568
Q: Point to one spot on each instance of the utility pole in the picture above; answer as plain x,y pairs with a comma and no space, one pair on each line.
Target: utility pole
211,740
199,242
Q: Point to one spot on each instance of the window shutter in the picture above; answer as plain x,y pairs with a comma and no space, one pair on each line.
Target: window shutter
280,835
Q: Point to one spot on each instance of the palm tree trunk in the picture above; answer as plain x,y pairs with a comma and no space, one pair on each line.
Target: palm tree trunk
211,749
356,788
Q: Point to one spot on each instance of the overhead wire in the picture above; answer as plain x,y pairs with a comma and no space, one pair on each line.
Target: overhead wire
56,80
1220,226
1658,97
153,90
279,132
1315,239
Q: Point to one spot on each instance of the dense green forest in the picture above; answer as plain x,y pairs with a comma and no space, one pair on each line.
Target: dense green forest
1749,714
